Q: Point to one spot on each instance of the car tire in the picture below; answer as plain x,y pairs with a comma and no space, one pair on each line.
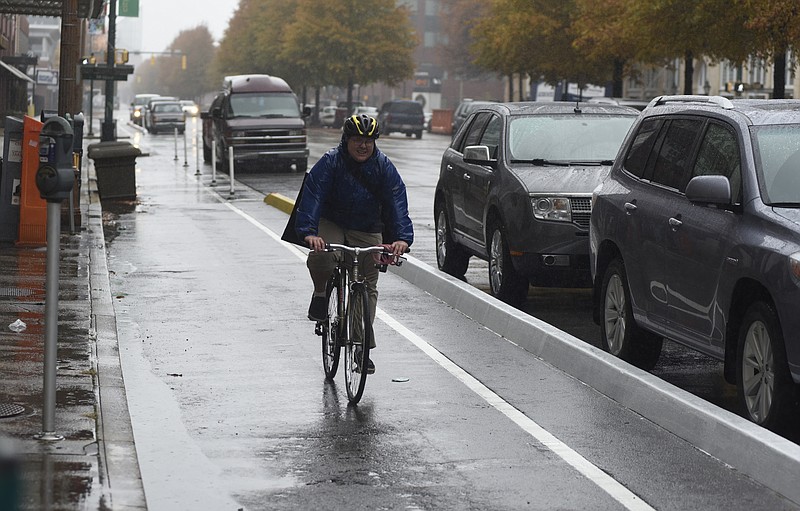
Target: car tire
620,335
764,385
418,135
505,283
450,257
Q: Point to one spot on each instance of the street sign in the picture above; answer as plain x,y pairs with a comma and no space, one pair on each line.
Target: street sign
46,77
94,72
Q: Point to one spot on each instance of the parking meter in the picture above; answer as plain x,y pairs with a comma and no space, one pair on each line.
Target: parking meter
55,176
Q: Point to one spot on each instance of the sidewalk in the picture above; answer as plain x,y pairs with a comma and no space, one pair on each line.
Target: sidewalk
95,466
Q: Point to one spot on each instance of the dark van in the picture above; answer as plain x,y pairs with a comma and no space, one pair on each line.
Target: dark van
403,115
258,116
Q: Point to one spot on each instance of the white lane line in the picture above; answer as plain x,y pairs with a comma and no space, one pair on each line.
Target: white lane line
604,481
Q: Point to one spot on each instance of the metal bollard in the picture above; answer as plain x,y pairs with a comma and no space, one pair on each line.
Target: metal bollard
213,160
176,144
198,147
230,169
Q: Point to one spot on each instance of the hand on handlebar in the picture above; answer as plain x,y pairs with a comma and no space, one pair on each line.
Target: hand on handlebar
399,247
315,243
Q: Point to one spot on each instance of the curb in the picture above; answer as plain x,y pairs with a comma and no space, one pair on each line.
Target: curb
752,450
115,438
281,202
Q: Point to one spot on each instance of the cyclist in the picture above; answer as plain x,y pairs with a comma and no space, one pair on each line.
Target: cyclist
351,196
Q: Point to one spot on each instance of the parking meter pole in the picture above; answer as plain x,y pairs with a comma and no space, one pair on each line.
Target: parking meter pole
55,179
51,323
176,144
230,169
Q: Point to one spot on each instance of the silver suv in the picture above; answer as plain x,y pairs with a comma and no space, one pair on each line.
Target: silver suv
695,237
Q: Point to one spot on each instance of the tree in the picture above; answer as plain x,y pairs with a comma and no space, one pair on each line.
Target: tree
344,42
457,18
186,74
775,27
535,36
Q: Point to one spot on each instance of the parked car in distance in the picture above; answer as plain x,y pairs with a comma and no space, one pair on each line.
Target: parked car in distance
695,237
369,110
515,189
166,116
137,107
402,115
148,107
638,104
259,116
462,111
327,116
190,108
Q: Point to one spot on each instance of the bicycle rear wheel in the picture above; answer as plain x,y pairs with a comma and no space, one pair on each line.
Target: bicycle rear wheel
330,330
357,346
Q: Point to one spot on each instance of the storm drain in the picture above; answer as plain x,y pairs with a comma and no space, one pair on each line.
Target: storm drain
10,410
15,291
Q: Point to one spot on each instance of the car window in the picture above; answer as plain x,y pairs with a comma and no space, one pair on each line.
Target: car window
491,135
260,104
777,151
567,138
719,156
475,130
166,108
641,147
675,153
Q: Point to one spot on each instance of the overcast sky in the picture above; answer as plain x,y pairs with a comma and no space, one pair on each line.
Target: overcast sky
162,20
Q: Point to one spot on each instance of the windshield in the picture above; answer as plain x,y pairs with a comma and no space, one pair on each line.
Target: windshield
777,152
567,138
260,104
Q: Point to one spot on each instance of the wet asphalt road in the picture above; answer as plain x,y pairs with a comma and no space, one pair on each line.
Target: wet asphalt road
569,310
230,408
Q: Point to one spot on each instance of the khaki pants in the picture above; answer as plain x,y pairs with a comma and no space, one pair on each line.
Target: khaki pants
321,264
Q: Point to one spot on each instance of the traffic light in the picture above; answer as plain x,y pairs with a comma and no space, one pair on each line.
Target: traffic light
183,62
121,57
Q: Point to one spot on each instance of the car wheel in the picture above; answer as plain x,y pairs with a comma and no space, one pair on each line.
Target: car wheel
450,257
620,334
419,134
504,281
763,382
302,166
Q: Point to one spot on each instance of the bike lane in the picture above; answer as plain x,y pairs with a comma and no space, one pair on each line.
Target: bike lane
230,408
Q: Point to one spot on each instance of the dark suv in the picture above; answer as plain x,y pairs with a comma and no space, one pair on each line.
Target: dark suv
695,237
515,189
402,115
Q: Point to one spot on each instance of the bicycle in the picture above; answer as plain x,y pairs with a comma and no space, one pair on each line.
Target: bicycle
348,324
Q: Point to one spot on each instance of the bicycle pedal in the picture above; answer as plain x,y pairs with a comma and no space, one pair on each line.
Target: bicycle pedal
318,329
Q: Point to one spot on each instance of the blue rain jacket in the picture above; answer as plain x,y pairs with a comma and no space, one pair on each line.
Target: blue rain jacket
333,192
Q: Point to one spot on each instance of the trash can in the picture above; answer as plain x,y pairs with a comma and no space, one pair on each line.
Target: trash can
115,167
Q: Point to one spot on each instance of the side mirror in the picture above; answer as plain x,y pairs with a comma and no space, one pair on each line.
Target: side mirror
709,190
478,155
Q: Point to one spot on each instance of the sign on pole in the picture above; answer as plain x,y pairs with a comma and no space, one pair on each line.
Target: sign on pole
128,8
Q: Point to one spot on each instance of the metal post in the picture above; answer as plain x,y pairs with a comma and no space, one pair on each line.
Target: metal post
51,323
197,147
176,144
230,168
185,163
213,160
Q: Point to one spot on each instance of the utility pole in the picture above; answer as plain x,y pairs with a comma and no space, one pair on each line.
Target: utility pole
108,132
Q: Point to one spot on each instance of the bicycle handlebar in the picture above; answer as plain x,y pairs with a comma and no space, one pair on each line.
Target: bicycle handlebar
378,249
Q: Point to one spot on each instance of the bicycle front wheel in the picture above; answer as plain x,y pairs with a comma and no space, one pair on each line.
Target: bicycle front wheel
330,330
358,342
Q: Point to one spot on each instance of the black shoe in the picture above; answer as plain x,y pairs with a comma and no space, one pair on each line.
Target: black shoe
317,311
370,365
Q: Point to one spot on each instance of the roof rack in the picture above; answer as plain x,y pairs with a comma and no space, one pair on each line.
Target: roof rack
719,101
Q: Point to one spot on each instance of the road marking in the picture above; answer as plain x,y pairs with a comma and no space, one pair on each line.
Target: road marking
604,481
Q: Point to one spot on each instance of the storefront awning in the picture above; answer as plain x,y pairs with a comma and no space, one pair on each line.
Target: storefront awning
86,8
16,72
